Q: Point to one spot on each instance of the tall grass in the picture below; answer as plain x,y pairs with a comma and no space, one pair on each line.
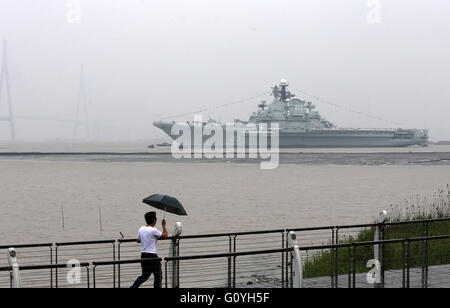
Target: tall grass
422,207
413,209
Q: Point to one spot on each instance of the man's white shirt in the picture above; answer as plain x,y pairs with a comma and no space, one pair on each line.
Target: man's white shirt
148,236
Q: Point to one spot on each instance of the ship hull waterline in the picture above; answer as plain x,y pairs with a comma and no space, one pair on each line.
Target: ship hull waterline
329,139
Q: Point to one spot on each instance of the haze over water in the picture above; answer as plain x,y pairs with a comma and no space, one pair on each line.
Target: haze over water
218,196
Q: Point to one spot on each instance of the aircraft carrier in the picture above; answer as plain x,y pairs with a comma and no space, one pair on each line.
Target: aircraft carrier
302,126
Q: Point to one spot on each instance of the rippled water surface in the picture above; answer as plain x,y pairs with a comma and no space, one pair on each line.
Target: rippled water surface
219,196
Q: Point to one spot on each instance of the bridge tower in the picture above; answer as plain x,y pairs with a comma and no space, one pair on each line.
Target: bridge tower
4,78
82,104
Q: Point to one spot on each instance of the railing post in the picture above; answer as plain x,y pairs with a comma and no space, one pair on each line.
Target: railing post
282,259
296,262
93,276
118,265
336,277
114,265
425,256
286,272
354,265
177,277
382,257
173,264
234,261
404,265
378,248
15,272
234,271
349,262
407,263
56,269
427,243
332,259
174,252
88,278
165,269
229,261
51,270
291,273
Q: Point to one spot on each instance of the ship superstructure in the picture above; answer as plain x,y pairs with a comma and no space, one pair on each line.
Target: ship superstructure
302,126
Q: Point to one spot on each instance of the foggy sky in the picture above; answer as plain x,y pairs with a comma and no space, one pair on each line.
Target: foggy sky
148,59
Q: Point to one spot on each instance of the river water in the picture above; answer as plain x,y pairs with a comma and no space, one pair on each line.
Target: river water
309,188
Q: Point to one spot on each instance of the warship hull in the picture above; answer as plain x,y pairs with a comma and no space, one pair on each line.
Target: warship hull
339,141
344,138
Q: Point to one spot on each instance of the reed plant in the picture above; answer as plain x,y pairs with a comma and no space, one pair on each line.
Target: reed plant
414,208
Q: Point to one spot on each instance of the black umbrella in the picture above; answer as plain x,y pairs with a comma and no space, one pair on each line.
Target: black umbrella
166,203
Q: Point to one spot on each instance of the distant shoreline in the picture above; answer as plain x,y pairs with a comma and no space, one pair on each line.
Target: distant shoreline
443,142
410,158
235,153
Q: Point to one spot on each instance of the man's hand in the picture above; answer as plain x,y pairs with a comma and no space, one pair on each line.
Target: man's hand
165,234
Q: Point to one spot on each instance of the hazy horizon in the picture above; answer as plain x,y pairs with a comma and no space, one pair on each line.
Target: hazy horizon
147,60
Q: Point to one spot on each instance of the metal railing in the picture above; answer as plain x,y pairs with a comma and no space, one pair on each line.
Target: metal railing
252,264
85,252
40,271
350,269
122,274
258,269
112,272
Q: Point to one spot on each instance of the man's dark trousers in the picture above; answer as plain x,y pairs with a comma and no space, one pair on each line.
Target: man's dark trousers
148,268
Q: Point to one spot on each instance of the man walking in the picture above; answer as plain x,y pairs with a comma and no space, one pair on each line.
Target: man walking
148,237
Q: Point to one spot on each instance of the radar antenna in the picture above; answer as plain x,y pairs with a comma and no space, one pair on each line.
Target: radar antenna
284,94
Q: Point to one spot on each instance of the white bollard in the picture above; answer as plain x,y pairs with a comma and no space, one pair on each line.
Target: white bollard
174,252
377,253
12,258
298,268
177,229
381,219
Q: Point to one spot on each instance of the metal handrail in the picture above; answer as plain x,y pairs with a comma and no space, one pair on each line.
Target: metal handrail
231,234
60,244
296,229
131,261
41,266
369,243
87,265
304,248
232,254
27,245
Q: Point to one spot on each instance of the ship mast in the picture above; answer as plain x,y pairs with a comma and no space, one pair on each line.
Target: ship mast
283,94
